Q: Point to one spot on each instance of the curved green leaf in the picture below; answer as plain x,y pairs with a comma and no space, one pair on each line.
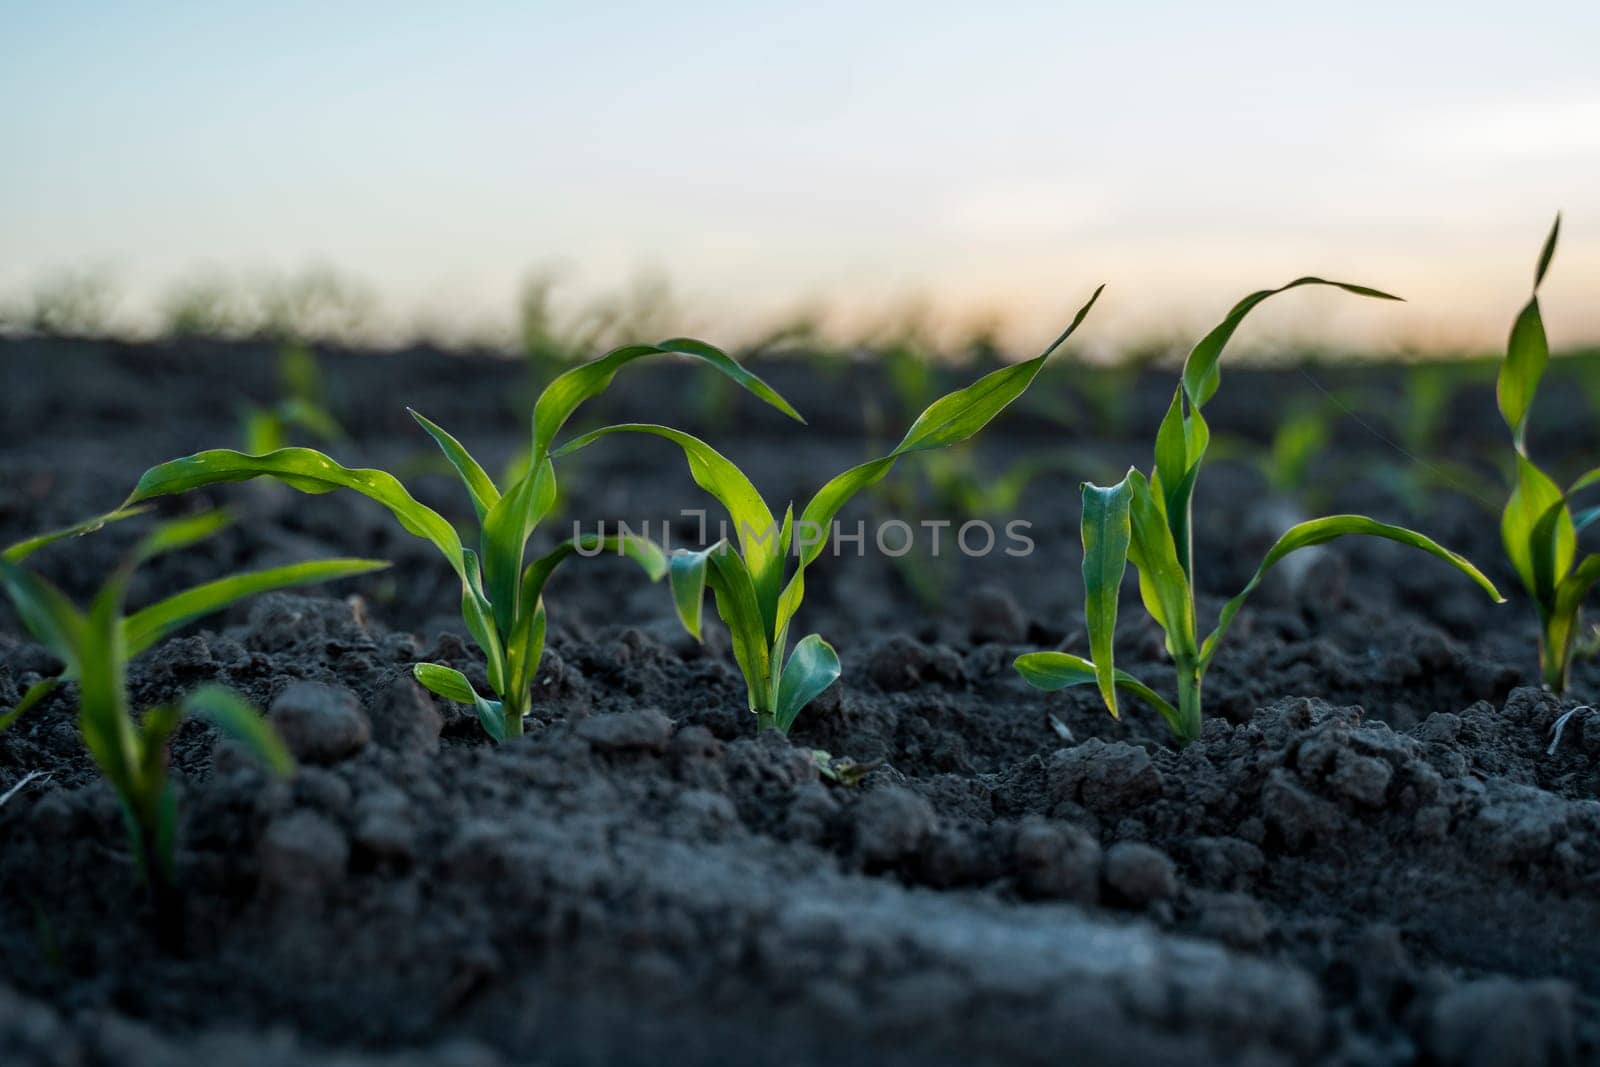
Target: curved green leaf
35,693
1201,370
734,593
308,471
103,718
525,640
145,627
480,487
759,535
233,715
453,685
21,550
1320,531
504,539
949,420
48,616
563,395
1163,584
812,667
957,416
1537,531
1527,354
1060,670
445,681
175,534
687,576
1106,531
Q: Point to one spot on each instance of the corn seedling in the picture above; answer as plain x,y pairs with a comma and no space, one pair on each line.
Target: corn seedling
1148,521
1538,527
501,591
95,647
754,594
302,406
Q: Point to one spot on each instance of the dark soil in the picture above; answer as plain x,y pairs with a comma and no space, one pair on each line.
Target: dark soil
1369,858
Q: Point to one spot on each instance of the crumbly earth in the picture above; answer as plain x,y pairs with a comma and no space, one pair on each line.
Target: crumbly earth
1372,856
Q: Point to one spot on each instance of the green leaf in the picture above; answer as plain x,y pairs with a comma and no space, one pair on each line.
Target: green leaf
175,534
506,529
812,667
759,535
563,396
453,685
46,613
103,717
492,717
1320,531
734,593
21,550
36,693
1547,253
1163,583
445,681
145,627
1527,353
1538,555
949,420
1106,531
525,642
688,580
1059,670
1560,622
1201,371
480,487
234,716
957,416
308,471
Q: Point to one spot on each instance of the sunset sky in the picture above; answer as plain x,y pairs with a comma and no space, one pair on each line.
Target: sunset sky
994,159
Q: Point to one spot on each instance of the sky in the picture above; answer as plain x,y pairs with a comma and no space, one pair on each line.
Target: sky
975,161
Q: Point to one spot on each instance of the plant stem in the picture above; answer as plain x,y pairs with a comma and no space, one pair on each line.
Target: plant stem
1554,656
766,720
1189,713
514,711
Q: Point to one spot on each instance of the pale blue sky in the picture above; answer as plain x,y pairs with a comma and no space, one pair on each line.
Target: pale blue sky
989,158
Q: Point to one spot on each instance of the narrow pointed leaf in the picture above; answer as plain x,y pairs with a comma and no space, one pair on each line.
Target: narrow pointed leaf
35,694
1106,531
1321,531
46,613
309,472
734,593
1161,575
1201,370
504,541
1051,671
480,487
234,716
1527,354
145,627
563,396
758,533
21,550
957,416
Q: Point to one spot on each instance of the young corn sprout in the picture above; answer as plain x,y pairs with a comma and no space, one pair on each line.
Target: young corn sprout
748,583
502,601
1148,521
95,647
1538,527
